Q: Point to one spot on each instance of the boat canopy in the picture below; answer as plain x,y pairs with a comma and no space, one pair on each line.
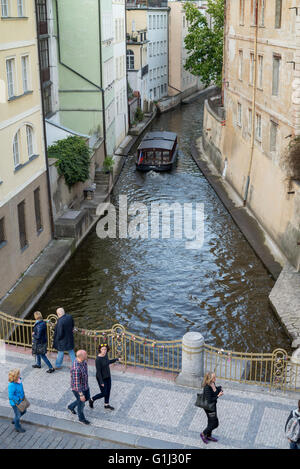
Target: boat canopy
158,141
156,145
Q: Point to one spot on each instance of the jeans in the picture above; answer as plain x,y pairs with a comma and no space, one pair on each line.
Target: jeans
79,404
60,358
294,445
18,415
105,390
212,423
45,359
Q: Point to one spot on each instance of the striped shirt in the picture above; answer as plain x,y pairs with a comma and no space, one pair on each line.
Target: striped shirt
79,376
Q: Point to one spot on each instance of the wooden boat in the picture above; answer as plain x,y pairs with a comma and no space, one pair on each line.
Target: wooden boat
157,151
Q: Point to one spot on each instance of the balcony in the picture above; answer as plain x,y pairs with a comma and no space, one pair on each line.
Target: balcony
138,37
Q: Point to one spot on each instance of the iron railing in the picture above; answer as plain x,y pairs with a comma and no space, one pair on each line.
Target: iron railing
273,370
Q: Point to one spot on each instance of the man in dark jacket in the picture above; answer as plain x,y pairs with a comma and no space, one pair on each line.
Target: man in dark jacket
63,337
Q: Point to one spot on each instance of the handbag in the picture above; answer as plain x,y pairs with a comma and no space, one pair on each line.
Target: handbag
23,405
203,403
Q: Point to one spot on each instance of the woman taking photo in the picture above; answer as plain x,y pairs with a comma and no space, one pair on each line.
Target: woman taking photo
211,393
103,376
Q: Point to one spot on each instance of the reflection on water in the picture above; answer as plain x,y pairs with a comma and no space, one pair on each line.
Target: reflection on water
156,287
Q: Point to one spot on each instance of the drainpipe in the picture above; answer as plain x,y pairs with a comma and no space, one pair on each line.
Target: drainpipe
253,106
44,125
101,79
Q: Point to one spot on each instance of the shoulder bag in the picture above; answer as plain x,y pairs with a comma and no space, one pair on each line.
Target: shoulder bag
23,405
203,403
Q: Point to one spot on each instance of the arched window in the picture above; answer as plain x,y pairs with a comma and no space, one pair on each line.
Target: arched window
16,148
30,143
130,60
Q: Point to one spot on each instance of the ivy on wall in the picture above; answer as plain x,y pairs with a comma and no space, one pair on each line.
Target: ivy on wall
73,159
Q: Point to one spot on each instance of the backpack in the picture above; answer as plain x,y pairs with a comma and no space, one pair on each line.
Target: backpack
292,431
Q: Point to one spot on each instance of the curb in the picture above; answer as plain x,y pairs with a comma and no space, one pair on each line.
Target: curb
113,436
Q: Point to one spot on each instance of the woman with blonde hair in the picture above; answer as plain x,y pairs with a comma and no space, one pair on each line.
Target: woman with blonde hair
211,393
16,395
39,342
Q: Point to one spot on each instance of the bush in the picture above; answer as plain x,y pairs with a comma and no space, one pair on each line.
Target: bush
108,163
139,115
291,159
73,159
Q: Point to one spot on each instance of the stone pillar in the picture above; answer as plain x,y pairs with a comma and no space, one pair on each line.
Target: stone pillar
295,370
192,360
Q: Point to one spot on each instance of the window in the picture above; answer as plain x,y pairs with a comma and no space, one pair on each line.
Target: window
37,209
251,74
240,65
165,21
4,8
2,232
278,13
260,71
16,149
45,64
21,8
262,12
10,73
47,100
150,22
273,135
239,114
22,225
249,121
150,49
253,12
258,127
130,60
242,12
29,136
154,22
25,73
275,75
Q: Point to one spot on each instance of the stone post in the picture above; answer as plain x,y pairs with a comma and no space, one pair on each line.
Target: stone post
192,360
295,370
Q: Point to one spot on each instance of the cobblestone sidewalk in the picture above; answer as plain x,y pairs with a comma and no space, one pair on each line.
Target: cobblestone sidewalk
150,412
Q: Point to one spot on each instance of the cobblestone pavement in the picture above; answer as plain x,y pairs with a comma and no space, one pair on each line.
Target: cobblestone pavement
37,437
150,412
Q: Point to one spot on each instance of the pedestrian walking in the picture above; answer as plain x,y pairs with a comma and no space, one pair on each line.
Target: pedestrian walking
103,376
292,428
211,393
80,385
39,342
17,398
63,340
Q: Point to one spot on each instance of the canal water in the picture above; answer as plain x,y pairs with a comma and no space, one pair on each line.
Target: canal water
159,289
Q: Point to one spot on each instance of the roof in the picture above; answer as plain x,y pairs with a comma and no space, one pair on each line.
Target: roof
157,144
160,136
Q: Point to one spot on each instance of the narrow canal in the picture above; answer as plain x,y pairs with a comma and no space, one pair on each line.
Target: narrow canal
156,287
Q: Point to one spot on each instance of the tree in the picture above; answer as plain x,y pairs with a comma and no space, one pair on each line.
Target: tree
205,43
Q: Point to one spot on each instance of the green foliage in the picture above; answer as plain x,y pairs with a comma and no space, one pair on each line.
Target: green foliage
108,163
205,44
139,115
73,159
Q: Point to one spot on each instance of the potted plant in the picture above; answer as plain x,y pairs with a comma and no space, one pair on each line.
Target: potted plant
108,164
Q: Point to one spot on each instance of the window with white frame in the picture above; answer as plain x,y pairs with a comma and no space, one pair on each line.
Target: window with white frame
107,27
262,12
5,8
10,74
150,49
21,11
16,149
150,22
278,13
154,21
242,12
165,21
258,127
130,60
25,73
29,137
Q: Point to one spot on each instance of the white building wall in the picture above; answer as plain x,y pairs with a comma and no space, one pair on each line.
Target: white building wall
120,83
157,53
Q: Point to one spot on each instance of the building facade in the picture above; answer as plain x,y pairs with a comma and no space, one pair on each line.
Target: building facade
25,219
179,78
262,114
